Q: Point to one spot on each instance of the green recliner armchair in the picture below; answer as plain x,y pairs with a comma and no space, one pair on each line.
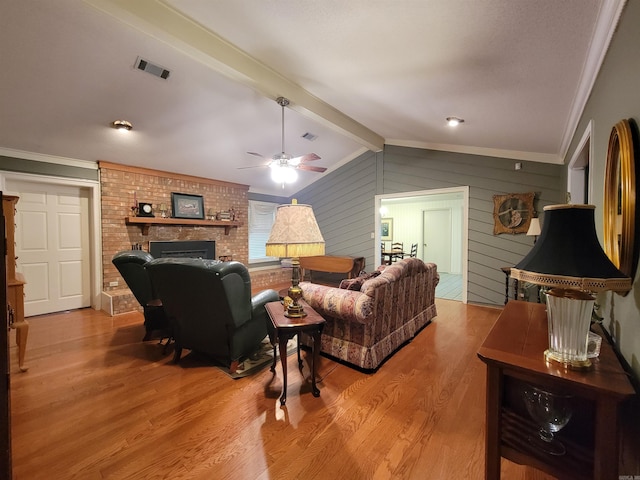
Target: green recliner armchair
211,305
131,265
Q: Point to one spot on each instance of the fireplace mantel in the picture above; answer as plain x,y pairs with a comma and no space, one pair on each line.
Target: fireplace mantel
146,222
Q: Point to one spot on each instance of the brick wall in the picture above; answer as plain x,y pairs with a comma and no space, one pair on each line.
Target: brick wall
275,278
118,184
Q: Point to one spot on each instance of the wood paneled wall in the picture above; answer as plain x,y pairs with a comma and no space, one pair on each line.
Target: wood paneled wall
343,202
343,205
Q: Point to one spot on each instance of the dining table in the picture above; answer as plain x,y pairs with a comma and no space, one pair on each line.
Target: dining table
387,256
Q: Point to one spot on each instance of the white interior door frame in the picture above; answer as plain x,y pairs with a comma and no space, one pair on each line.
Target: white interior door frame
464,190
94,220
577,168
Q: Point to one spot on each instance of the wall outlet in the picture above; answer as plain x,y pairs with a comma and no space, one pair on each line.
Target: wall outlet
518,166
113,284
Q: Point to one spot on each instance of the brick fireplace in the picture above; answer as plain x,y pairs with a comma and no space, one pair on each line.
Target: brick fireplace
120,184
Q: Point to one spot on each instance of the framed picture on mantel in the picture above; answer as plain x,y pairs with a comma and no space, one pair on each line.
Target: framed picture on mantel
187,206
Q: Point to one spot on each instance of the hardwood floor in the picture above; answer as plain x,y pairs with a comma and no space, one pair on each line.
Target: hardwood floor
98,403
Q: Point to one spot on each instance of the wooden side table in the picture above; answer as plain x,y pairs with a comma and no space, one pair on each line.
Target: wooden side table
513,352
285,328
507,277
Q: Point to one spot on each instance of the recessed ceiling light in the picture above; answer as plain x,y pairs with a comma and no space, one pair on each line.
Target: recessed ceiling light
454,121
122,125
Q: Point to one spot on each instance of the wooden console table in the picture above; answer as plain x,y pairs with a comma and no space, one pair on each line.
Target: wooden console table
513,352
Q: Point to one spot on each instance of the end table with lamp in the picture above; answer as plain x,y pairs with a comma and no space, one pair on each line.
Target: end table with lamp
548,403
295,233
283,328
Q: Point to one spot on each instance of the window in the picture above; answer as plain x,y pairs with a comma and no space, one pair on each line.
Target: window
261,218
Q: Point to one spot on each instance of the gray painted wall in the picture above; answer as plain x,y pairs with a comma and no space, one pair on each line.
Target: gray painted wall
344,204
409,169
21,165
615,96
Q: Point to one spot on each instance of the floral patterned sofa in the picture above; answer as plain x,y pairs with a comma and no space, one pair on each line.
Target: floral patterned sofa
366,325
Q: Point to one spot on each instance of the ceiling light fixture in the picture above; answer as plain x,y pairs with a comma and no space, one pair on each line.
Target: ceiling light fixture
454,121
283,173
122,125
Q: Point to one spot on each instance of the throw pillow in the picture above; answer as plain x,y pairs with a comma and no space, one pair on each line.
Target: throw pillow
356,283
351,284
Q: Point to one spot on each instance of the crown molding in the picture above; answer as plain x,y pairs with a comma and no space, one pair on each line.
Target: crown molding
606,25
483,151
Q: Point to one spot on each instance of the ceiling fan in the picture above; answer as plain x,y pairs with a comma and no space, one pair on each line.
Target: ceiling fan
283,166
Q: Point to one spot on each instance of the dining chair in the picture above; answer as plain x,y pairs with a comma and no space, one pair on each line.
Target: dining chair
384,258
398,251
414,250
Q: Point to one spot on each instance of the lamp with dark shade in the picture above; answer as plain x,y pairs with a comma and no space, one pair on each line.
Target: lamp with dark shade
534,229
568,258
295,233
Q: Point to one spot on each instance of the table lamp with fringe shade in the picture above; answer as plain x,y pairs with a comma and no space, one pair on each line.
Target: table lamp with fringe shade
295,233
569,260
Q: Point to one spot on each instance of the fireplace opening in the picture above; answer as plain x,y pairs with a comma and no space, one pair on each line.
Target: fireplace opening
184,248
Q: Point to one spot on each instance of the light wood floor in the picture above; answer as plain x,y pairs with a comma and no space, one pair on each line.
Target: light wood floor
98,403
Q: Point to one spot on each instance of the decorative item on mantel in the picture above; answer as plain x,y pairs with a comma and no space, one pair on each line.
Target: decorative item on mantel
224,216
134,207
163,210
145,209
295,233
568,258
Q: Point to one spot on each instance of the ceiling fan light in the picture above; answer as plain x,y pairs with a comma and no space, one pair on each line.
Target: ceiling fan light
454,121
290,175
280,174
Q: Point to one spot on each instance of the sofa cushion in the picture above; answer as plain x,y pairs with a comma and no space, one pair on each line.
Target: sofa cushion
356,283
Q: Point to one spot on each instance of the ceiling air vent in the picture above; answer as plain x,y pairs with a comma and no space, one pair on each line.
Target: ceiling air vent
309,136
153,69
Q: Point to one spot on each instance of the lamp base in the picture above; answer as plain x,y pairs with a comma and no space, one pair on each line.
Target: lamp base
295,311
554,357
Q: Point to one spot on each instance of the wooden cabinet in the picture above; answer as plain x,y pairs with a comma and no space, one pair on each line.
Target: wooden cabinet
15,281
513,352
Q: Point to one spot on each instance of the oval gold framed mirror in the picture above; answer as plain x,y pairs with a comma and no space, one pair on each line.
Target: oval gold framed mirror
620,216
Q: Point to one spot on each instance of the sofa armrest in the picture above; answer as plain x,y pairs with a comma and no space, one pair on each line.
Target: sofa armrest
337,302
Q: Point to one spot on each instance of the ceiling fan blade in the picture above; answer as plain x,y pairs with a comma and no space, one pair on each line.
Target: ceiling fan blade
309,157
252,166
311,168
256,154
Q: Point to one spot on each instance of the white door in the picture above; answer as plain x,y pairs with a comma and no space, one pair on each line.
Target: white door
52,245
436,246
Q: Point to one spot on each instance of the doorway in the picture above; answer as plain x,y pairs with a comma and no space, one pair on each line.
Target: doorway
58,241
52,244
438,221
436,238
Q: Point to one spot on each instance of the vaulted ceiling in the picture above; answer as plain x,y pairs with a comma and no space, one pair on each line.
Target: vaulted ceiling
358,73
